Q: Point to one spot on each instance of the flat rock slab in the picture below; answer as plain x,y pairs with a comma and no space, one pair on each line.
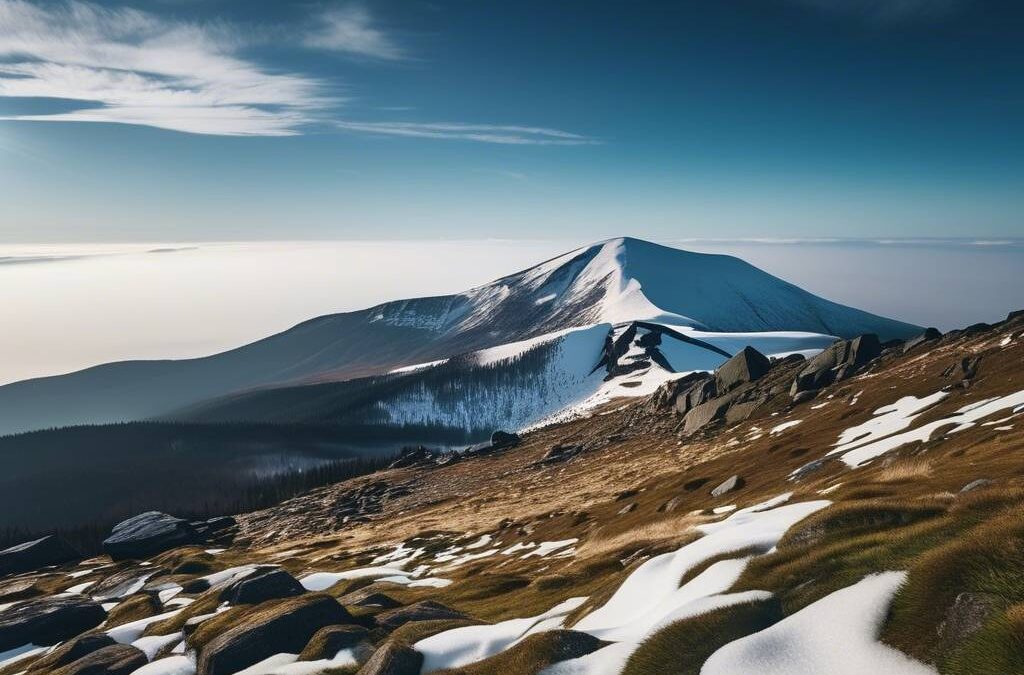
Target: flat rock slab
47,621
33,555
427,610
393,659
728,485
147,534
113,660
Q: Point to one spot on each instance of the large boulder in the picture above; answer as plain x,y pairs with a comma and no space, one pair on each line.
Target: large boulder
147,534
748,365
705,413
728,485
693,390
274,627
32,555
122,584
329,641
47,621
929,335
70,651
393,659
838,361
426,610
266,583
112,660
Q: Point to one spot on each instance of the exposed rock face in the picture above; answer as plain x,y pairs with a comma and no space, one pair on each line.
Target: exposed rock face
272,628
748,365
393,659
929,335
112,660
147,534
122,583
32,555
838,362
411,457
427,610
705,413
268,583
47,621
728,485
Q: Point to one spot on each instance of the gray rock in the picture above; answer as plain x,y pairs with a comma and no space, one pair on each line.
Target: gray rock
123,583
838,361
70,651
327,642
968,613
975,484
393,659
748,365
728,485
427,610
49,620
929,335
285,626
705,413
112,660
147,534
267,583
805,396
33,555
807,469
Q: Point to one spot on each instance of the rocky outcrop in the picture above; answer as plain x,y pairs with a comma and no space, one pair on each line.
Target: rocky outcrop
427,610
47,621
929,335
500,440
414,456
327,642
393,659
112,660
33,555
266,583
268,629
147,534
839,361
748,365
728,485
71,651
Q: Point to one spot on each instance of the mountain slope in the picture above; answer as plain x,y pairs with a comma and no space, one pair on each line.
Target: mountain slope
611,282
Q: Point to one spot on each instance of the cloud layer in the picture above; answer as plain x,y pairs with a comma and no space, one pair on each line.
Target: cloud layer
483,133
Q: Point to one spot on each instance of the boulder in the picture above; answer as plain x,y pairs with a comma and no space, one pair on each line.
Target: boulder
112,660
411,457
327,642
805,396
393,659
728,485
705,413
72,650
975,484
19,589
747,365
427,610
700,391
838,361
123,583
49,620
504,439
928,335
33,555
266,583
275,627
807,469
147,534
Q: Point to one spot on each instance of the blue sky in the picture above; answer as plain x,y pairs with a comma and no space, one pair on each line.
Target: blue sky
223,120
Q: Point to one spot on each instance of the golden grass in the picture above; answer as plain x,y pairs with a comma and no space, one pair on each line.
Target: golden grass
666,532
911,468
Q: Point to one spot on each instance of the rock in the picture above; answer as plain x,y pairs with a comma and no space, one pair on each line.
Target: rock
137,607
327,642
748,365
220,523
626,494
838,361
628,508
49,620
705,413
975,484
1014,315
393,659
19,589
33,555
504,439
928,335
976,328
560,453
411,457
807,469
701,390
805,396
267,583
146,535
728,485
123,583
426,610
112,660
738,412
70,651
968,613
372,599
268,629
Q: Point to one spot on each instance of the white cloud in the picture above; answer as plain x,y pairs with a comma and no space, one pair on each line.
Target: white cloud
349,29
134,67
484,133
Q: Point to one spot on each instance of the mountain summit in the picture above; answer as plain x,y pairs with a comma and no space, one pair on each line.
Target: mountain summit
716,298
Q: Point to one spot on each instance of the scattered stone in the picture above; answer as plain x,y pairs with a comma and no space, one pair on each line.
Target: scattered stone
748,365
147,534
285,626
807,469
70,651
628,508
327,642
968,613
426,610
267,583
731,483
49,620
36,554
805,396
112,660
393,659
975,484
670,505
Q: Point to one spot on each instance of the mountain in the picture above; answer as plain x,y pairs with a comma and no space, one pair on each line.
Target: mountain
610,283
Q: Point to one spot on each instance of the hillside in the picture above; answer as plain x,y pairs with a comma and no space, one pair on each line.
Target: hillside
857,512
611,282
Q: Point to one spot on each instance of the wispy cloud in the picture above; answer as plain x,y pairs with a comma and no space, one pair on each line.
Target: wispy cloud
482,133
133,67
887,10
350,29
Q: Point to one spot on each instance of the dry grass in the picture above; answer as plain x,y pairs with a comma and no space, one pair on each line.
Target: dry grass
671,532
911,468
